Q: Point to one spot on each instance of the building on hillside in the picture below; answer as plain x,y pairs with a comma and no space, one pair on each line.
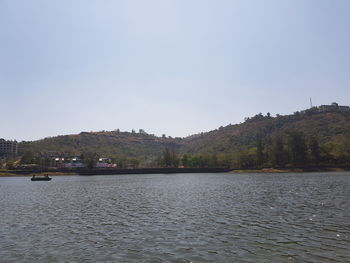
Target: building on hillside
333,107
8,148
344,108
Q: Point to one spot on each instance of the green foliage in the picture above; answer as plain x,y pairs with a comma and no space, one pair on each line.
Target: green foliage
200,160
10,164
117,145
28,158
259,152
169,159
297,148
261,141
278,154
134,163
315,151
90,159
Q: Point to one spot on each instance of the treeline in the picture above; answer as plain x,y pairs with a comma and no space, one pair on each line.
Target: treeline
288,149
262,141
294,149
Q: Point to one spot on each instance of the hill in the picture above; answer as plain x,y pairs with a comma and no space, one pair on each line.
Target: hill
259,141
326,127
112,144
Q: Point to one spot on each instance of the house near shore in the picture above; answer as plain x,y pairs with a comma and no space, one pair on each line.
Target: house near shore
105,163
78,162
74,162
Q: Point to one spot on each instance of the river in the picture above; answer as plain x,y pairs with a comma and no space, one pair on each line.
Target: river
222,217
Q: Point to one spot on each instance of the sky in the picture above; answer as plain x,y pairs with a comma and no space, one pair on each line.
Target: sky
174,67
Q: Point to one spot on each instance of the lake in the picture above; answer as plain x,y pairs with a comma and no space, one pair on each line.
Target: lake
222,217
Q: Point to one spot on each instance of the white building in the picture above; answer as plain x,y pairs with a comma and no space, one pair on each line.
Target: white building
105,163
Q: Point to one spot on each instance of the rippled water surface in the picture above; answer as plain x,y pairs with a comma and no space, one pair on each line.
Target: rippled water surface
177,218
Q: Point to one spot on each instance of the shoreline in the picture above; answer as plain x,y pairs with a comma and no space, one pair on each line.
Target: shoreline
96,172
31,174
292,170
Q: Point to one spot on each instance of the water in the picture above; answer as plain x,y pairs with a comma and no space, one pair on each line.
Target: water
177,218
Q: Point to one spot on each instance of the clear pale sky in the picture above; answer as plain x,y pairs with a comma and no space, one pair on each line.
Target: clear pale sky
176,67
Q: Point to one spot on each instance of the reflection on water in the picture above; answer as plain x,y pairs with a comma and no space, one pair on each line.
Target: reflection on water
177,218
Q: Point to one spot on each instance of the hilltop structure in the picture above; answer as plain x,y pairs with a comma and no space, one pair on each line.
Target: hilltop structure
8,148
334,107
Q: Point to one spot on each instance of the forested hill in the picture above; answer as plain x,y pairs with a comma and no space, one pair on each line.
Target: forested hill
327,127
114,144
261,138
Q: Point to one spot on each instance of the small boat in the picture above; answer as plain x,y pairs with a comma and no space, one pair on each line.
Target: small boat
41,178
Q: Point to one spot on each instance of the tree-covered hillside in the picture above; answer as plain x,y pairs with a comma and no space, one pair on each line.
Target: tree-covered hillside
299,139
113,144
327,127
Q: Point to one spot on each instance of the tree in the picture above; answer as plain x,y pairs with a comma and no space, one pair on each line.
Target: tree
226,160
10,164
315,152
174,159
134,162
170,158
27,158
122,162
297,148
90,159
248,158
259,151
213,160
277,153
167,157
184,160
142,131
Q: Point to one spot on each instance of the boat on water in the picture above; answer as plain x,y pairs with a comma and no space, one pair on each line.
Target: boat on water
41,178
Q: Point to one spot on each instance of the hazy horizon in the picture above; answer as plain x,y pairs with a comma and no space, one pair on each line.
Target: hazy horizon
168,67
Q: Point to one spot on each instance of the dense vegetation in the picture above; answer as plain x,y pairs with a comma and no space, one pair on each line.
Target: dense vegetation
298,140
319,139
